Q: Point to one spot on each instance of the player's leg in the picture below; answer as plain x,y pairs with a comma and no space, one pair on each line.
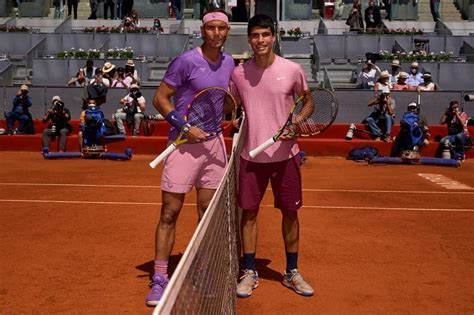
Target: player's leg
253,181
286,186
164,241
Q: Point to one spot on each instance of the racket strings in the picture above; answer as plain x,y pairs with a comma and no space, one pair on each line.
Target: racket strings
206,109
306,122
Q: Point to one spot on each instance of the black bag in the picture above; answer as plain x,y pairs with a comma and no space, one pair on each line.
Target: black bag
363,153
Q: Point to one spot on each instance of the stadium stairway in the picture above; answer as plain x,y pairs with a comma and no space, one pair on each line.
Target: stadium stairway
330,143
448,11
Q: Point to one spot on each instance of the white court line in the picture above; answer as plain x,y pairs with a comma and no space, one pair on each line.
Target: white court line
304,189
270,206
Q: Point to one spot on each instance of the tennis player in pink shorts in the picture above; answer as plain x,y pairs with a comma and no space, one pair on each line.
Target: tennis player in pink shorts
200,162
266,87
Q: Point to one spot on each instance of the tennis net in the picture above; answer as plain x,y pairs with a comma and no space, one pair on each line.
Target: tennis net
205,279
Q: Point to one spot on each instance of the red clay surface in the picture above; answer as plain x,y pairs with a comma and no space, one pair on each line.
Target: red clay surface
76,237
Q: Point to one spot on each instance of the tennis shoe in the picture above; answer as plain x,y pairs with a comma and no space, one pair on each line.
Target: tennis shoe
248,282
158,286
295,281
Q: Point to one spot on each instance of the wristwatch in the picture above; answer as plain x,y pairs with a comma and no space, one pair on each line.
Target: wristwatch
185,128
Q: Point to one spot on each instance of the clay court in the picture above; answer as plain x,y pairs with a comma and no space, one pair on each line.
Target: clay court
77,238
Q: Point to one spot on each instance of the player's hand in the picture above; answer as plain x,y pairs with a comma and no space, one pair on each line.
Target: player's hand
196,135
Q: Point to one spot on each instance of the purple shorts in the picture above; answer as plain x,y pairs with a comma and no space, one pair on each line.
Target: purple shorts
284,176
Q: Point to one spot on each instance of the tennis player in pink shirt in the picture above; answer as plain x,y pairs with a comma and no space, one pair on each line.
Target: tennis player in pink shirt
266,87
201,161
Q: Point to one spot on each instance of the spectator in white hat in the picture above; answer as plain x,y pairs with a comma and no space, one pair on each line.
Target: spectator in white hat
382,83
401,84
428,84
57,117
395,68
130,72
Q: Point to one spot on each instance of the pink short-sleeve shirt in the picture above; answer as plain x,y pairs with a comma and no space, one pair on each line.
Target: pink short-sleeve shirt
267,96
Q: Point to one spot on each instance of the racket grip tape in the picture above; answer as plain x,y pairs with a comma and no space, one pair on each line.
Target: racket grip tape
261,147
163,155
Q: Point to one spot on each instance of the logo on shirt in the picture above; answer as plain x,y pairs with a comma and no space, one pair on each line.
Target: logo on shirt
297,203
280,78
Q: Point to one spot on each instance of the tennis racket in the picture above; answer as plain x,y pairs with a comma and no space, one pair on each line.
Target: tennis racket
311,114
212,110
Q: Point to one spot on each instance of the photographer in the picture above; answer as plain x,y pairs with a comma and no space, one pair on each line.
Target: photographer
383,112
458,134
21,104
133,109
58,117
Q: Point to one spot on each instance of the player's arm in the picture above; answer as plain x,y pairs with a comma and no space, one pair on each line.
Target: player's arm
308,105
162,103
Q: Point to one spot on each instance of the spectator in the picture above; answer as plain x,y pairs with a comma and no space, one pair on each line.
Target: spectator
401,84
89,70
395,68
91,136
338,8
434,8
109,5
79,80
107,73
176,5
382,84
456,120
427,84
96,90
368,75
20,112
126,6
94,5
372,16
355,20
120,80
383,113
58,116
133,110
72,7
414,77
131,20
157,26
413,134
131,72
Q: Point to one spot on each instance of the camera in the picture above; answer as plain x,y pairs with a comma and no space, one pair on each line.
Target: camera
469,97
135,94
58,106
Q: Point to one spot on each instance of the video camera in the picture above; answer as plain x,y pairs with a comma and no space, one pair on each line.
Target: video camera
58,106
135,94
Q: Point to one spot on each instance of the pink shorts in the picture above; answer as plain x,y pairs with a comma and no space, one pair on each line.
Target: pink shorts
284,176
198,164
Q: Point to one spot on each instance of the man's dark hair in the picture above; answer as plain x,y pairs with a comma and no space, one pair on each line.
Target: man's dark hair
261,21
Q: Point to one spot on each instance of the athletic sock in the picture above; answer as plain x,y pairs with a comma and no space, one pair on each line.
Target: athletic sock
161,266
291,261
249,261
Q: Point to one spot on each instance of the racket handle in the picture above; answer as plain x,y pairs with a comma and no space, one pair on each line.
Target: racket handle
261,147
163,155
